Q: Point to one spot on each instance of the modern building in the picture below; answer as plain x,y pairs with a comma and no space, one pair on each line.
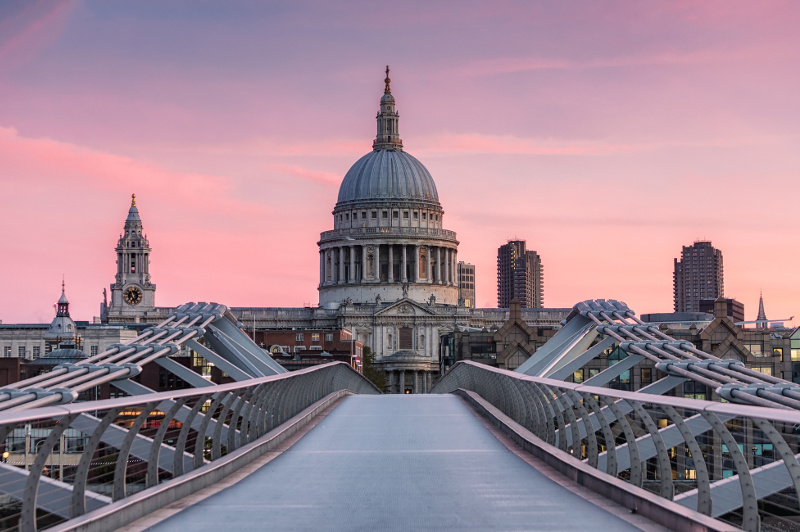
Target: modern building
466,284
300,348
519,276
697,275
735,309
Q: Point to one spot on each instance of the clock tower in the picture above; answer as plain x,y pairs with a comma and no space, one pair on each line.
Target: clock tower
132,294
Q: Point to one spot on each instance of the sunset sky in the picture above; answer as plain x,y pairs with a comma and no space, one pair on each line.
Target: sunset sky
606,134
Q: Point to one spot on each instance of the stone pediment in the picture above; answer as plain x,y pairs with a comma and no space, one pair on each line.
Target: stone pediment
405,308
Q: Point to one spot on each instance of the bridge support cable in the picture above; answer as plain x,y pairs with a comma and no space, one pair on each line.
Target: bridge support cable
615,324
722,459
230,348
116,447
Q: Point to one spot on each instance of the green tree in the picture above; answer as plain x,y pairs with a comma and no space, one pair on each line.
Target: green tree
376,377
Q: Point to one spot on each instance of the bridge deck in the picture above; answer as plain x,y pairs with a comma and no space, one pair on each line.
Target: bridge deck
395,462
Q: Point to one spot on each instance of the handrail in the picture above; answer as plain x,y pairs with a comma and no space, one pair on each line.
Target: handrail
730,461
124,445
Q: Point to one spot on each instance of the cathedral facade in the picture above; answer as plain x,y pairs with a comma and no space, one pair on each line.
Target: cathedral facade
388,269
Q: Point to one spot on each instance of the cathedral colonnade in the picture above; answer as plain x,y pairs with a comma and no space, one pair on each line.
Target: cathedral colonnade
392,262
412,381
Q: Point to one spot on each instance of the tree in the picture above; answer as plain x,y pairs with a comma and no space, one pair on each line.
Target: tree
376,377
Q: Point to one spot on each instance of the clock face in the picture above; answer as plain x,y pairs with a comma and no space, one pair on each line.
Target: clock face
132,295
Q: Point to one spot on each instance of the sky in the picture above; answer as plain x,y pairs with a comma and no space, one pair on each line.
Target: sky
606,134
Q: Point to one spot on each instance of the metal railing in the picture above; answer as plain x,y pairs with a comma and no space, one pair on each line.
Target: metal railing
736,463
415,231
119,447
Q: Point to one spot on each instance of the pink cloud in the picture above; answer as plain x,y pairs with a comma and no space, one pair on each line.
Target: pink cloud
317,176
510,144
33,28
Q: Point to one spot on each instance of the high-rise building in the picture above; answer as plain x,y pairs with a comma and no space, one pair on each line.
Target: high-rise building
698,275
519,275
466,284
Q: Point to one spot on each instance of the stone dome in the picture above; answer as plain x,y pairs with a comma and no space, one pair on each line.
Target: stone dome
387,175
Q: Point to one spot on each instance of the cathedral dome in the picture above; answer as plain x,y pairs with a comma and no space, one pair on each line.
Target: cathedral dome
387,175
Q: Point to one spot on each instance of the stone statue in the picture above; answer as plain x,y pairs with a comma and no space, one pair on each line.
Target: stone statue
405,290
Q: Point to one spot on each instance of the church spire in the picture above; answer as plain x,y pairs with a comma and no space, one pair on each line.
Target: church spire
762,316
388,137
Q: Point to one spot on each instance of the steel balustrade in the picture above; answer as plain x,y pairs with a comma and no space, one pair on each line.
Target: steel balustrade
729,461
145,430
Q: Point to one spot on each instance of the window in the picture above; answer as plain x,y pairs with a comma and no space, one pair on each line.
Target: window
416,215
777,352
755,349
316,348
94,350
37,351
315,337
424,215
21,351
328,337
577,376
298,337
347,217
395,214
384,215
647,376
298,348
405,215
766,370
374,214
363,215
405,338
7,351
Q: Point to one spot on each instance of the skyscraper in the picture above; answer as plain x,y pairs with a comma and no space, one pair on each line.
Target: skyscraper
697,275
466,284
519,275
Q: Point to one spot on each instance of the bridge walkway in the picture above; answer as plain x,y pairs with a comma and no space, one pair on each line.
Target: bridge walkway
396,462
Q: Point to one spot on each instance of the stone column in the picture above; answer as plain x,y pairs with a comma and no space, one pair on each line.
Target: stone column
321,267
404,268
450,271
402,381
341,264
363,263
455,267
416,262
391,263
439,265
415,388
352,278
430,266
391,381
449,275
378,262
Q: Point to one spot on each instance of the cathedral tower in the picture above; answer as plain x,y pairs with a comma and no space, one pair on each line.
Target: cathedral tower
132,293
388,240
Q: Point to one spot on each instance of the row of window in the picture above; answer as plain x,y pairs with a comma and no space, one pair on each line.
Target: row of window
36,351
314,337
385,215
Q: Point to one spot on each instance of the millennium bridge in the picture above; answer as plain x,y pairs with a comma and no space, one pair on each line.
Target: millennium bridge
323,448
